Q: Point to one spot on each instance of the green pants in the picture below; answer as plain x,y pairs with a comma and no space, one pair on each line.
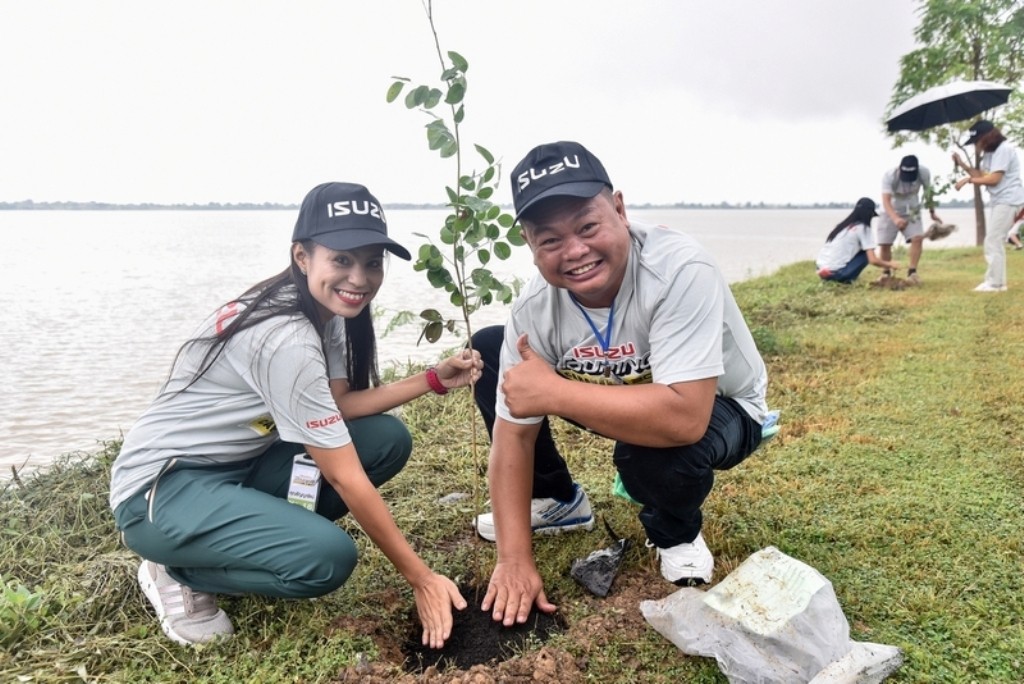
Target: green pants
230,530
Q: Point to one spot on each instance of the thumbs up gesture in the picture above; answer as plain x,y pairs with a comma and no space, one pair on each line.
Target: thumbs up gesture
528,385
523,347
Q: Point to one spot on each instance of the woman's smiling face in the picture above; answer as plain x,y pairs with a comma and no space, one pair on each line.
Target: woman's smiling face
342,282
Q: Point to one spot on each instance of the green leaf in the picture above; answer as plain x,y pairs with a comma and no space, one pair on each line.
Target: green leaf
476,204
438,277
485,153
435,138
475,235
506,220
422,93
455,93
483,255
458,61
485,192
448,235
431,315
481,277
502,250
467,183
432,331
450,149
433,98
457,299
415,97
515,236
395,90
487,175
460,114
438,135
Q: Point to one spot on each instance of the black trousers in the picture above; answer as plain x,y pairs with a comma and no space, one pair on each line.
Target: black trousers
670,483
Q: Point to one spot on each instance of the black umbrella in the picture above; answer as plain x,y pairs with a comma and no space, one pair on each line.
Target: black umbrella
956,101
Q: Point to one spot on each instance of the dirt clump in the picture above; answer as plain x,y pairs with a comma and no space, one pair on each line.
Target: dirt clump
613,620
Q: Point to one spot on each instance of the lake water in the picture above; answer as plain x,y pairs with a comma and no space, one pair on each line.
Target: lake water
94,304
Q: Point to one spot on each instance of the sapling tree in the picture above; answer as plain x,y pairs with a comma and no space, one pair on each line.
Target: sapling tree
476,229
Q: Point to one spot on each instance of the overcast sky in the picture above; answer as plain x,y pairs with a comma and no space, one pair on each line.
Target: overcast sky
245,101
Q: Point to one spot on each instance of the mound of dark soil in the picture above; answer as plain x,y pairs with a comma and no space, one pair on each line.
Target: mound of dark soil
477,639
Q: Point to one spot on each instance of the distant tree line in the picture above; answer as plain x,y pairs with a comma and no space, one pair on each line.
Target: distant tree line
107,206
29,205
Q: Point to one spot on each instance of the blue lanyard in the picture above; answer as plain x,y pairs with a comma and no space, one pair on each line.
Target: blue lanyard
604,340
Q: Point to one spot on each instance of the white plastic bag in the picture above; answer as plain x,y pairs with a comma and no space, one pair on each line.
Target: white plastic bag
773,619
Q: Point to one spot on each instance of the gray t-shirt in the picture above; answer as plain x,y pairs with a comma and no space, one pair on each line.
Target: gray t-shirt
675,320
270,382
906,196
1009,189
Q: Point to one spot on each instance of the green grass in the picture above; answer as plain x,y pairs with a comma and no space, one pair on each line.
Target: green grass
897,474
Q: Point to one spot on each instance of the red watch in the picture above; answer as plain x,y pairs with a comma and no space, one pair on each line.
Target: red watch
435,382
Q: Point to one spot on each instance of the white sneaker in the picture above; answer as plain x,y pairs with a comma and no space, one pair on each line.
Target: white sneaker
685,564
985,287
186,616
548,516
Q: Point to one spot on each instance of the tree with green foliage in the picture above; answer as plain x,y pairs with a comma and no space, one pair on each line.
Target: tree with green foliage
964,40
475,229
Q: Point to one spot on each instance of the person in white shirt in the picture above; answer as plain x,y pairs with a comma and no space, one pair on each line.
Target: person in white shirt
1000,174
850,247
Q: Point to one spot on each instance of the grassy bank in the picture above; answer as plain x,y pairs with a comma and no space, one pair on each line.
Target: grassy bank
897,474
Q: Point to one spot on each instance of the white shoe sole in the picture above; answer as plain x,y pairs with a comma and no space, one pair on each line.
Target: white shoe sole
701,576
585,525
571,527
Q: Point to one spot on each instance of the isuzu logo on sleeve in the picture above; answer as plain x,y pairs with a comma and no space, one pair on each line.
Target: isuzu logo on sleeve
532,174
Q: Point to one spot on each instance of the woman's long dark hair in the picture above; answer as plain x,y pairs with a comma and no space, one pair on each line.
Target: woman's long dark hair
285,295
862,212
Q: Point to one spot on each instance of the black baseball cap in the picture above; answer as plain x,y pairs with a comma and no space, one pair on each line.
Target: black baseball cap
908,168
556,169
980,128
344,216
865,208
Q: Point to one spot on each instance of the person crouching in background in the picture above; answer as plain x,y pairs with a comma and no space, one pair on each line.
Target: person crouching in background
850,247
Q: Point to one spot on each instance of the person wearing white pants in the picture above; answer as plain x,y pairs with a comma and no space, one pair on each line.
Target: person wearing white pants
1000,174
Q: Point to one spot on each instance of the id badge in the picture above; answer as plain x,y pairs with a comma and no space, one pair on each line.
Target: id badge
304,488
